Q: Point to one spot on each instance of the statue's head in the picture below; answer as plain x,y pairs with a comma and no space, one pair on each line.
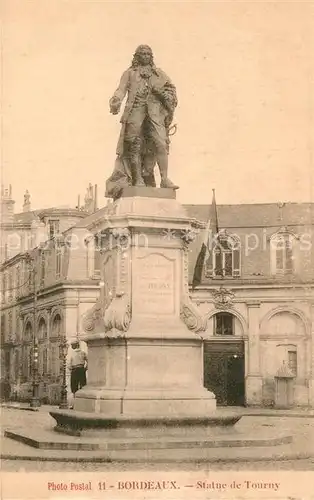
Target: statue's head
143,56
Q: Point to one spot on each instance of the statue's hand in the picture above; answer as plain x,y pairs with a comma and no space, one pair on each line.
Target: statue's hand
114,105
157,89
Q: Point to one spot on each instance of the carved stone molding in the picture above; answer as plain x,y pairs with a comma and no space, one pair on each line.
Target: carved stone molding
120,233
117,316
93,318
188,235
191,316
223,298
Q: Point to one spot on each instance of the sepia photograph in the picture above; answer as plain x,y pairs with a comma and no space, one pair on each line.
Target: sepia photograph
157,260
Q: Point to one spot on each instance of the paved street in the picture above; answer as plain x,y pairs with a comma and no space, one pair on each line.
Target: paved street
301,428
33,466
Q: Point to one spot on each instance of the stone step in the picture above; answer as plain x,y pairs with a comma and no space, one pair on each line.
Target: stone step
18,451
46,439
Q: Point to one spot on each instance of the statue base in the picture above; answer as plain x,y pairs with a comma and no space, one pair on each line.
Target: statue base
144,335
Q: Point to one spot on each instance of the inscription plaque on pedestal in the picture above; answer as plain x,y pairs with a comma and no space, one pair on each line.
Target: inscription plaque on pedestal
154,285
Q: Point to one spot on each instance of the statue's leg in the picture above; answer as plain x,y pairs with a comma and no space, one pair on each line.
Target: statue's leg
148,170
158,134
133,144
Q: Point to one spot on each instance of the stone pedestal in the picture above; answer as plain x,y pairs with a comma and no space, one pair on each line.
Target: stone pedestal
144,335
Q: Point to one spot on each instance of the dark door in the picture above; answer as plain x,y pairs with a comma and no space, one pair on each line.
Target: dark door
215,376
235,380
224,372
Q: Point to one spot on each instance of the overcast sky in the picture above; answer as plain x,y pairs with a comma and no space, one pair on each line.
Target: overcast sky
244,76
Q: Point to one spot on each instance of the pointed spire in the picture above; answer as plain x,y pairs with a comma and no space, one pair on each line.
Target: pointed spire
214,215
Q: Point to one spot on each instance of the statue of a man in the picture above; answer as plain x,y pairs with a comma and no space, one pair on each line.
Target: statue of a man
147,116
27,197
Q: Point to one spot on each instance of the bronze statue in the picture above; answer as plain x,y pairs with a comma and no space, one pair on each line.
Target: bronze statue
146,124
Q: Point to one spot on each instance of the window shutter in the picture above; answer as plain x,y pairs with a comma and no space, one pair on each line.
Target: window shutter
279,257
289,257
236,262
218,262
228,263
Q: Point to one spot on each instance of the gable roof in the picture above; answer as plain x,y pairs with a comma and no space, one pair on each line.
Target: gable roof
256,214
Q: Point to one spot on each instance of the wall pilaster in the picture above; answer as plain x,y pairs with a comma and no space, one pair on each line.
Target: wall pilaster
253,375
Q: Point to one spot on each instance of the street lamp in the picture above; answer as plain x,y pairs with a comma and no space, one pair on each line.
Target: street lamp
63,351
35,400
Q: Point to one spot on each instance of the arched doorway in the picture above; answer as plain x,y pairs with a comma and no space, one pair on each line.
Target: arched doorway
54,361
224,368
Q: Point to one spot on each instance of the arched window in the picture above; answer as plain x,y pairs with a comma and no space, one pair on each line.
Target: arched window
56,326
26,351
223,324
42,335
54,364
283,253
42,329
28,331
224,257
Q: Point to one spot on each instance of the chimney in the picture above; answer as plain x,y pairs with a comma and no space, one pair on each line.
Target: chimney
27,203
95,199
78,202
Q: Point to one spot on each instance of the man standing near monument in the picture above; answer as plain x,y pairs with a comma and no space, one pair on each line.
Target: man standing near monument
147,115
78,367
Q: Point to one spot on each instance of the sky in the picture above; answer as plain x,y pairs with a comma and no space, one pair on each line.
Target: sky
244,73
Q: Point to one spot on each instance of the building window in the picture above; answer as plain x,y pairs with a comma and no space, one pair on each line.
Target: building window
45,362
223,324
28,332
42,329
53,228
18,280
58,251
56,326
2,329
4,286
42,268
293,362
224,257
10,329
283,254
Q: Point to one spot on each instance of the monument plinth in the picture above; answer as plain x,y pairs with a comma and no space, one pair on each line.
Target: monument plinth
144,334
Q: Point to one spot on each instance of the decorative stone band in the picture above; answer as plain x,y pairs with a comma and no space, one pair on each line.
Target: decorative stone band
120,232
191,316
189,235
117,315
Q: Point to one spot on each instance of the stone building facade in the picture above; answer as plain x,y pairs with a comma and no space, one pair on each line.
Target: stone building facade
41,257
257,294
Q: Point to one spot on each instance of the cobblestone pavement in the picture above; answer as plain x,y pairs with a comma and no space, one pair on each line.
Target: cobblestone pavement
33,466
301,428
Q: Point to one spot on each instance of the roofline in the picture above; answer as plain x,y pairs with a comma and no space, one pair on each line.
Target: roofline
310,203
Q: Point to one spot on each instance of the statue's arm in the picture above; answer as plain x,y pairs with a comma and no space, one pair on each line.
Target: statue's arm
117,98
